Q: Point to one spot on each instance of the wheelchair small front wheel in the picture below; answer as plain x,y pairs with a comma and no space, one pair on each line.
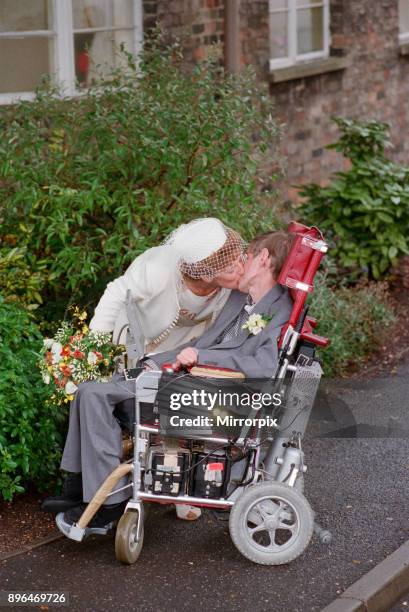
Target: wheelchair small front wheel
271,523
127,547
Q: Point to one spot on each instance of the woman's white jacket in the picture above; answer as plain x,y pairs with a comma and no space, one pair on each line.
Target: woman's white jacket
154,281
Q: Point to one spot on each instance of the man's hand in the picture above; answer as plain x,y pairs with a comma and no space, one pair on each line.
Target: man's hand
186,357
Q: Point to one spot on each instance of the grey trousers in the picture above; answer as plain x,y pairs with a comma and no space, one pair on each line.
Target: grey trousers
94,440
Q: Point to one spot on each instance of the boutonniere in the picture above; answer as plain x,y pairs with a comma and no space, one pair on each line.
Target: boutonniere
256,323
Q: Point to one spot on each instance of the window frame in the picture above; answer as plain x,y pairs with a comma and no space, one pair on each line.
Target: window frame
62,31
403,36
293,58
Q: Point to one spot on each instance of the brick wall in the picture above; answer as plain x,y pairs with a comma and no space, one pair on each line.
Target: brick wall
376,85
200,23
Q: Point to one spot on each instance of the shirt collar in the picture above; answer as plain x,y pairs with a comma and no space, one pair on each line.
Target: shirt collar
249,305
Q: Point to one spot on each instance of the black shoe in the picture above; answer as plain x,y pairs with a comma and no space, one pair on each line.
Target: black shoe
71,495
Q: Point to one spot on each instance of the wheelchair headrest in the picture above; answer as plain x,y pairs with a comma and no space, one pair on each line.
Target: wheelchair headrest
305,255
298,272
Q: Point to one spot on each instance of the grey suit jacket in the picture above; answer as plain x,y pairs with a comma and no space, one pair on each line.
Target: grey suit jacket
254,355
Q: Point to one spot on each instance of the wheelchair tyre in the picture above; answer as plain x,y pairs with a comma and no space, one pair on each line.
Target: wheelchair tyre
271,523
127,549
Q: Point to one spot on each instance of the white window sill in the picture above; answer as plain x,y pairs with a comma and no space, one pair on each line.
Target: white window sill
404,48
307,69
30,96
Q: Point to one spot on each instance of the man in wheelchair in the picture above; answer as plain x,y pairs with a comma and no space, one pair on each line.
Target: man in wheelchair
236,340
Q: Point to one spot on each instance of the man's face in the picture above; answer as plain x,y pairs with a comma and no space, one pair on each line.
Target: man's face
252,268
229,278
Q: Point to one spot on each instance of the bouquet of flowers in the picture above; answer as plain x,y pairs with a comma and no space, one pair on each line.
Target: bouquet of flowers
76,354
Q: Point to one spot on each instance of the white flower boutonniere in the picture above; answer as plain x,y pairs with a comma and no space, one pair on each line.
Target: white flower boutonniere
256,323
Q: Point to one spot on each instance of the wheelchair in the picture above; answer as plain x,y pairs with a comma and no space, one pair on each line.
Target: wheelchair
255,471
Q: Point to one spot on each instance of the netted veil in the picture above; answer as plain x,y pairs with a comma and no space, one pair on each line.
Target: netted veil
205,247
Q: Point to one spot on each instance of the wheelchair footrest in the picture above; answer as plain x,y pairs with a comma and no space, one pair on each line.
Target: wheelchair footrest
78,534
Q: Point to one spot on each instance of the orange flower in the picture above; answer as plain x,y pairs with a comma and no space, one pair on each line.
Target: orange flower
60,382
66,352
78,354
64,368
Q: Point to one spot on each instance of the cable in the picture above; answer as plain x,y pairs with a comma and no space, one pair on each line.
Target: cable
121,330
296,416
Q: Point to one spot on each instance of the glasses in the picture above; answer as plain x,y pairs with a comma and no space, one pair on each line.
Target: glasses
241,259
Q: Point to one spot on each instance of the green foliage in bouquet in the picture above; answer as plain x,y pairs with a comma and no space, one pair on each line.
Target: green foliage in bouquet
353,319
365,210
31,430
90,183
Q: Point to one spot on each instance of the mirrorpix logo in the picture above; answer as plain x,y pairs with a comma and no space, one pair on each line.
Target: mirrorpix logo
217,402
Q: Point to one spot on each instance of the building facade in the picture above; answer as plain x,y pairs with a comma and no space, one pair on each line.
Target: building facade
319,58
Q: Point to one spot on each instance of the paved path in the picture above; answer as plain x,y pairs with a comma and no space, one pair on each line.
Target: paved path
358,488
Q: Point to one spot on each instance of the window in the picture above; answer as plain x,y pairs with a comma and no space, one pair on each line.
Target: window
69,40
299,31
404,21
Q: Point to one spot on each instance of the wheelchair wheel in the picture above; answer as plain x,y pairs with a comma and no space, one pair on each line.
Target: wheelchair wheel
127,549
271,523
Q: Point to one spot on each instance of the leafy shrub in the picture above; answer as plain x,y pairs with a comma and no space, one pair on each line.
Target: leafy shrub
18,282
365,210
352,319
30,428
90,183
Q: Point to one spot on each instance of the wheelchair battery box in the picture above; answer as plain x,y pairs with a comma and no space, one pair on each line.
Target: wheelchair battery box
211,475
167,473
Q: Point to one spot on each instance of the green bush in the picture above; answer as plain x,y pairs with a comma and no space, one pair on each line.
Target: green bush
18,281
353,319
90,183
30,429
365,210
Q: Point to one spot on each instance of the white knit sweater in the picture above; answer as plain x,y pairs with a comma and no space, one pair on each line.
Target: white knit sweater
155,283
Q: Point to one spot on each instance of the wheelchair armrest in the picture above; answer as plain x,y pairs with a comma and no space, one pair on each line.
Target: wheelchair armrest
208,371
215,372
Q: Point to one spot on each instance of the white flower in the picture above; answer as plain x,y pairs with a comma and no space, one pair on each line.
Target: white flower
46,378
70,387
256,319
48,342
56,349
256,323
92,358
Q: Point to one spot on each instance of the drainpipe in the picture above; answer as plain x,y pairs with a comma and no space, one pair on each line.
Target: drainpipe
232,35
